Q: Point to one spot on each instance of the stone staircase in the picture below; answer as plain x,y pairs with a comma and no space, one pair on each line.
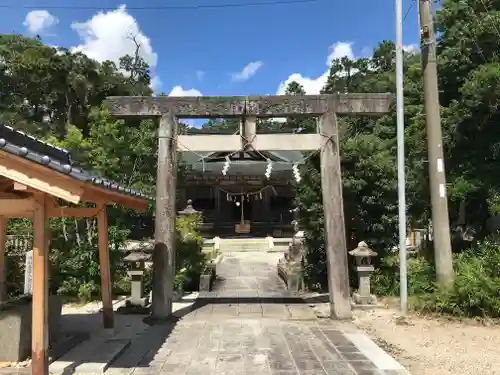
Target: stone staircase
229,245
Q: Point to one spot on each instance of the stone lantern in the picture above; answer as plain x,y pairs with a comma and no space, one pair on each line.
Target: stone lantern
189,210
364,268
137,260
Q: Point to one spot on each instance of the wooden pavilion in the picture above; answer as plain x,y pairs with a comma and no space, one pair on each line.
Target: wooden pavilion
34,176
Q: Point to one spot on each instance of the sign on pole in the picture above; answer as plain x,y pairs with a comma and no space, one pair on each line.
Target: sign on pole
28,273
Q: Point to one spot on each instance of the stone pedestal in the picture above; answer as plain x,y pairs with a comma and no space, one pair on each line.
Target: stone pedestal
363,296
290,266
363,255
137,297
137,302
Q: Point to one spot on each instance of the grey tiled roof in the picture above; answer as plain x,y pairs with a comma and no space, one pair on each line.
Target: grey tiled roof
251,165
58,159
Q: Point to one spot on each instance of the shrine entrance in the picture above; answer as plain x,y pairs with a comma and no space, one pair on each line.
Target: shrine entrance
166,110
241,209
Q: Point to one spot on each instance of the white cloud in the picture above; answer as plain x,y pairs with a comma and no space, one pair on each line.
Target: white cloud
108,36
156,83
313,85
339,50
180,91
411,48
38,21
247,72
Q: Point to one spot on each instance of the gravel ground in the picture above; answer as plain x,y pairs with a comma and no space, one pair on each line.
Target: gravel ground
434,346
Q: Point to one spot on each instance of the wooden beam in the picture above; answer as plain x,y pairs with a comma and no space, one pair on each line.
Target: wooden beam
61,212
9,195
40,321
259,106
5,184
40,178
10,207
106,291
3,258
95,194
20,187
249,131
73,212
164,249
335,234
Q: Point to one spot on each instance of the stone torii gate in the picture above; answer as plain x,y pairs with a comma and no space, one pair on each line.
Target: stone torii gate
166,111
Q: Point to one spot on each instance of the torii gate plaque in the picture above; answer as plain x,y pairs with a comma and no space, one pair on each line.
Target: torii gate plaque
166,110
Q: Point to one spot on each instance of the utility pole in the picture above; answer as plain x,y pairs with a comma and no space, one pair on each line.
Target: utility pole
400,113
437,179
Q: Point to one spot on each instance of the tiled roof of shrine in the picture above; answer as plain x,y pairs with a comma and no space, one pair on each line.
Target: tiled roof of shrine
58,159
250,163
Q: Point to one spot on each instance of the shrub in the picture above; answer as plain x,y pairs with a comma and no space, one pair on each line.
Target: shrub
420,276
190,256
475,292
75,265
190,259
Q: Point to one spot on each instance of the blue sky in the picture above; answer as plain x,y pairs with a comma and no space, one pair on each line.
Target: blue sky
220,51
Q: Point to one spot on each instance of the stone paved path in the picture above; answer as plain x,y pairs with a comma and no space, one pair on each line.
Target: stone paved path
251,325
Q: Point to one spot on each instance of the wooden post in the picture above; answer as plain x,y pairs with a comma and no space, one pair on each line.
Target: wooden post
335,235
40,301
217,207
106,290
3,258
267,212
164,250
249,132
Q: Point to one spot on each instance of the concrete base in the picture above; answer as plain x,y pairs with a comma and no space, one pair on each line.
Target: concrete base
207,279
178,295
359,306
133,310
364,300
134,301
291,275
93,357
15,327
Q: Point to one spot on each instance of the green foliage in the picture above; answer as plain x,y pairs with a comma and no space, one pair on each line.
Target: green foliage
75,262
190,260
474,293
421,276
180,280
57,95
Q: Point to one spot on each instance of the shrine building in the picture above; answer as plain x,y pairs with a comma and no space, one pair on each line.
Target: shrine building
243,202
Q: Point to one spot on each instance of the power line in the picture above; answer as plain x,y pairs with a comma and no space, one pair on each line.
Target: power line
165,7
408,10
